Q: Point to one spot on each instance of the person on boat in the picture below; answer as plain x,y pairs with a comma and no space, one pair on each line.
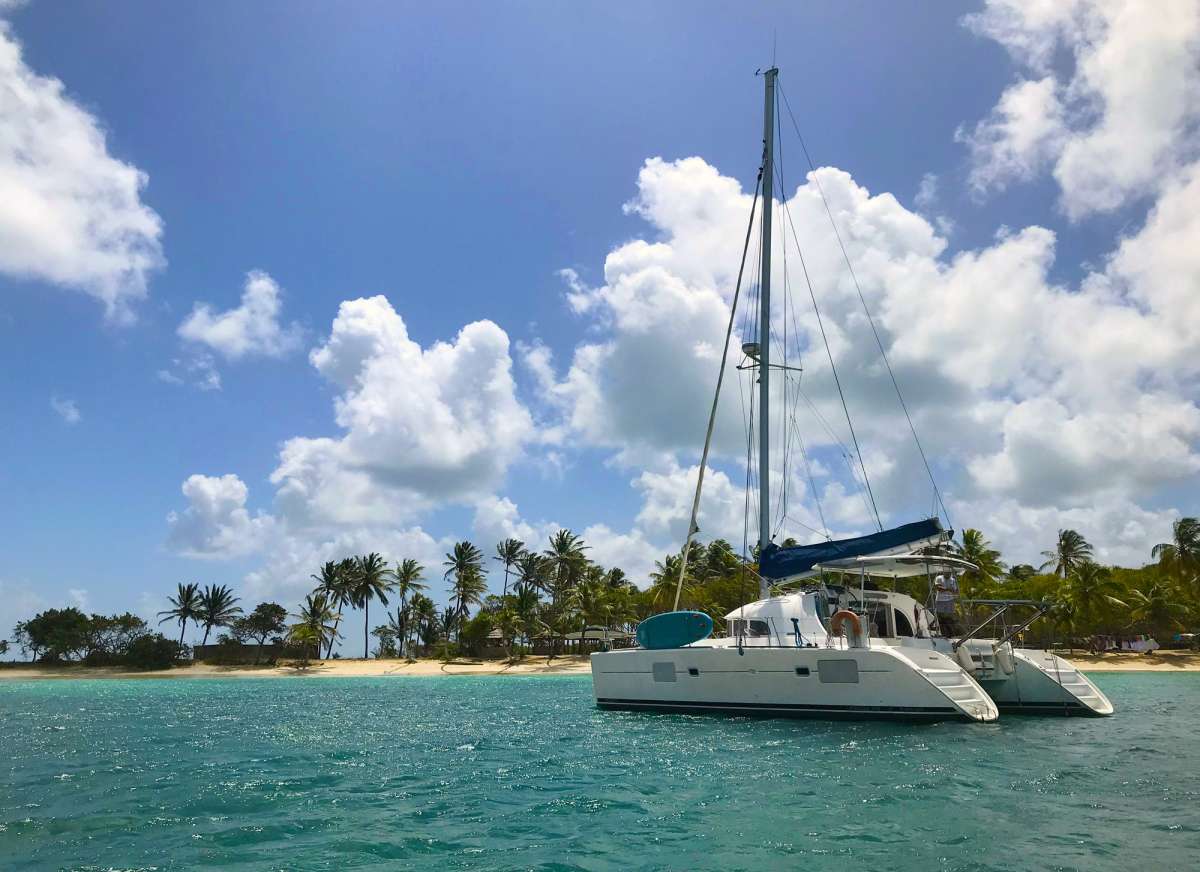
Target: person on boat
944,604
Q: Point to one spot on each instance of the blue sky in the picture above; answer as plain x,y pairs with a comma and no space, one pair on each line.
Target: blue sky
455,158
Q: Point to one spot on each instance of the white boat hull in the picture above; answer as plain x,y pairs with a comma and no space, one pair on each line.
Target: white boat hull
1040,683
856,683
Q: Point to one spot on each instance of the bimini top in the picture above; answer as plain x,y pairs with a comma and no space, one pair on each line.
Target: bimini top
779,562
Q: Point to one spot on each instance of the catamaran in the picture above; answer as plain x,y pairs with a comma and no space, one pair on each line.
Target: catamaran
808,647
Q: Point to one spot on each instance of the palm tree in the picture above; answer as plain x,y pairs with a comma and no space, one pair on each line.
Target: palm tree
510,624
589,600
975,549
424,618
508,553
525,604
566,561
306,637
1088,590
317,613
407,581
531,572
465,564
664,579
370,582
334,582
217,609
1182,553
1071,551
185,606
1156,608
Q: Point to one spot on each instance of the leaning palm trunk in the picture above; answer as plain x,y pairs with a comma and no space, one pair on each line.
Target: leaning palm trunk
366,624
333,636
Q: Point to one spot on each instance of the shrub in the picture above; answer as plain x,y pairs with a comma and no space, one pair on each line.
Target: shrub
153,651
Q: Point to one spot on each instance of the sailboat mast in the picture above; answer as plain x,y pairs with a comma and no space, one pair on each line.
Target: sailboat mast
764,322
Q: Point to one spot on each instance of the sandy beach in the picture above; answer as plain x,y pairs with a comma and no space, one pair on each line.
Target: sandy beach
340,668
1163,661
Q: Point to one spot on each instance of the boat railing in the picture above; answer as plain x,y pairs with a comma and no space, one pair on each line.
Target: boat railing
1002,606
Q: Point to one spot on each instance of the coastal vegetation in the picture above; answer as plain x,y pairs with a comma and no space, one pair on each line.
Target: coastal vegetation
548,594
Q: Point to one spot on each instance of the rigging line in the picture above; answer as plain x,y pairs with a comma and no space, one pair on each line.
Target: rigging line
844,453
862,299
812,483
806,527
712,415
746,512
833,367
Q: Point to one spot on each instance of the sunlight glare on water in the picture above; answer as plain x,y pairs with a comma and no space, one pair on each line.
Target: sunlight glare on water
521,773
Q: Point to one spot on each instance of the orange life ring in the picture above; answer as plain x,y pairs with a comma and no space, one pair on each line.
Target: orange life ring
839,618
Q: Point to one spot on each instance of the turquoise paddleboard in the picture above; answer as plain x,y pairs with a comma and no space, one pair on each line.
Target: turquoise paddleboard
673,629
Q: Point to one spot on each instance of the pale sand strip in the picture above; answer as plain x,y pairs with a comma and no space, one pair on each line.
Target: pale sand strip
1164,661
317,668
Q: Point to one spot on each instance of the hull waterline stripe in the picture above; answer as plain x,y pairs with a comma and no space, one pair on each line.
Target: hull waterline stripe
783,707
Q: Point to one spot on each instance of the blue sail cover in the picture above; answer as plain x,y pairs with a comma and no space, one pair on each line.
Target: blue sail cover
779,562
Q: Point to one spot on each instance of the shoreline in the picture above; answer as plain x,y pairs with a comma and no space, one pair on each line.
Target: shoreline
339,668
1161,661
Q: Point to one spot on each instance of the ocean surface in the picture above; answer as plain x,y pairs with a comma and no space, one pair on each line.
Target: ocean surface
524,773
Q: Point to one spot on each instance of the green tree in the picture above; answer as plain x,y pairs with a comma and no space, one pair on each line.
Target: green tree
525,606
218,608
316,613
57,633
153,651
335,581
510,624
1181,556
464,570
110,636
566,562
473,634
1156,609
185,606
424,620
1070,551
1089,591
408,581
508,553
533,572
371,581
307,638
267,619
386,634
1021,572
975,549
616,577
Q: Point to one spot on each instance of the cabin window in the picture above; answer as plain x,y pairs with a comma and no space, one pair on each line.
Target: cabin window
903,625
879,624
663,671
754,629
838,671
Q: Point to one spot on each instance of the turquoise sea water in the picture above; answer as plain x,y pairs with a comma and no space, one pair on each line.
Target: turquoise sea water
517,773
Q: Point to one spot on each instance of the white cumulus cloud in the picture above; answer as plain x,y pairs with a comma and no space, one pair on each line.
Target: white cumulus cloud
1115,121
216,523
252,328
421,426
71,214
